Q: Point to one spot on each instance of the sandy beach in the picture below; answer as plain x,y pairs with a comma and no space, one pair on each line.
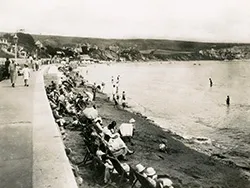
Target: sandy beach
186,167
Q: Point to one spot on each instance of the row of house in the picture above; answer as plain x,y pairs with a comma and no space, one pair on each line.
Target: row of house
8,48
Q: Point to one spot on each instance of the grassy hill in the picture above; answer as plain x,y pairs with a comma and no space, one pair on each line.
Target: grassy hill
141,44
145,49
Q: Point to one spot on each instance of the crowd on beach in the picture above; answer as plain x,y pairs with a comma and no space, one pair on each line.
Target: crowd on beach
72,100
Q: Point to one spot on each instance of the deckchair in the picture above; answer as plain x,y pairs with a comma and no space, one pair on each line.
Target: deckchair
88,156
143,181
99,171
117,166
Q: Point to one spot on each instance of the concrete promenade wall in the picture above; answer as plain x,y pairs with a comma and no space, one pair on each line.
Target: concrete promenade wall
51,167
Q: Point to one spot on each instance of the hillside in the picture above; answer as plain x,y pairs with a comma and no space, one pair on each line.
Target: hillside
130,49
141,44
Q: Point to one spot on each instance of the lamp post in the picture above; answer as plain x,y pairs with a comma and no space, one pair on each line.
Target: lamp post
15,41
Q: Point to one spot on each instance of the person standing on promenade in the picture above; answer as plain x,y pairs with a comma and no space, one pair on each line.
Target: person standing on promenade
6,72
26,75
228,101
32,63
13,73
211,82
38,63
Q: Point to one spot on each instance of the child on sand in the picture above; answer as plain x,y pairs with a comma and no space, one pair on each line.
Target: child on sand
26,75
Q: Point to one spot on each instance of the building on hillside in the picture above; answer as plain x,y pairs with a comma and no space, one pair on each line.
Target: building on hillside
3,41
39,44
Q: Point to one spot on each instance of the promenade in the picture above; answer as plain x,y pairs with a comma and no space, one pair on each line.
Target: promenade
31,150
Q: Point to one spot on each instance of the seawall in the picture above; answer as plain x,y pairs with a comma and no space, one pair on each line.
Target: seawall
51,167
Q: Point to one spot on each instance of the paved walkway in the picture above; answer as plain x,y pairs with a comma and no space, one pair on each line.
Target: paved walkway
16,106
31,149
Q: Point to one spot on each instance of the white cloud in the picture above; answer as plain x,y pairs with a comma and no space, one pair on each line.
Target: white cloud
206,20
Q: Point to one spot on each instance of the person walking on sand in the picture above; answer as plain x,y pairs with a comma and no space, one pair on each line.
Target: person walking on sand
211,82
228,101
13,73
26,75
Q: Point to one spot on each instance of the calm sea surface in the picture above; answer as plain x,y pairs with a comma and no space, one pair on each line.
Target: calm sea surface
178,97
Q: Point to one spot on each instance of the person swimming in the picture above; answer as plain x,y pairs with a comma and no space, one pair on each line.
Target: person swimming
228,101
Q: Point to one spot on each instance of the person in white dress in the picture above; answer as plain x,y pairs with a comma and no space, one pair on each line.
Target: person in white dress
26,75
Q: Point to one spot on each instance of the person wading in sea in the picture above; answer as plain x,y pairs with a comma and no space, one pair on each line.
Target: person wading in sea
228,101
211,82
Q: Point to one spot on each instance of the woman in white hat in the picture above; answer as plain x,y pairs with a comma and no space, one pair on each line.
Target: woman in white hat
151,176
140,169
154,180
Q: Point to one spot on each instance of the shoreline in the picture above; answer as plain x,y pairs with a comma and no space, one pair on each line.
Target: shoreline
205,145
186,167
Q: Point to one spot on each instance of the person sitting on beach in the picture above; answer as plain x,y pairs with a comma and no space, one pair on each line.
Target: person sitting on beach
59,119
61,97
70,107
117,146
89,96
53,95
110,129
79,102
152,177
70,95
53,85
82,84
140,169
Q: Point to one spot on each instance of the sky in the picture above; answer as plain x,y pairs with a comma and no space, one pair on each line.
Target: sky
196,20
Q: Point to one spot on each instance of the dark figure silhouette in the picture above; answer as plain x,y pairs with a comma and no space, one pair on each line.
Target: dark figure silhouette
6,71
211,82
228,100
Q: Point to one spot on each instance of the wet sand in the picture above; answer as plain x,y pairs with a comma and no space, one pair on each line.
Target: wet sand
186,167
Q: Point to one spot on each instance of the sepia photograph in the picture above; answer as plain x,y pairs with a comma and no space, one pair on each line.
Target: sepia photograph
124,94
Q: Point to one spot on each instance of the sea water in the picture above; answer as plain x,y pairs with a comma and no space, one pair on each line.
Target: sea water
178,96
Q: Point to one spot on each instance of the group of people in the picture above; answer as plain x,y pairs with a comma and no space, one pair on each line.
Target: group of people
105,143
35,63
115,92
11,72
